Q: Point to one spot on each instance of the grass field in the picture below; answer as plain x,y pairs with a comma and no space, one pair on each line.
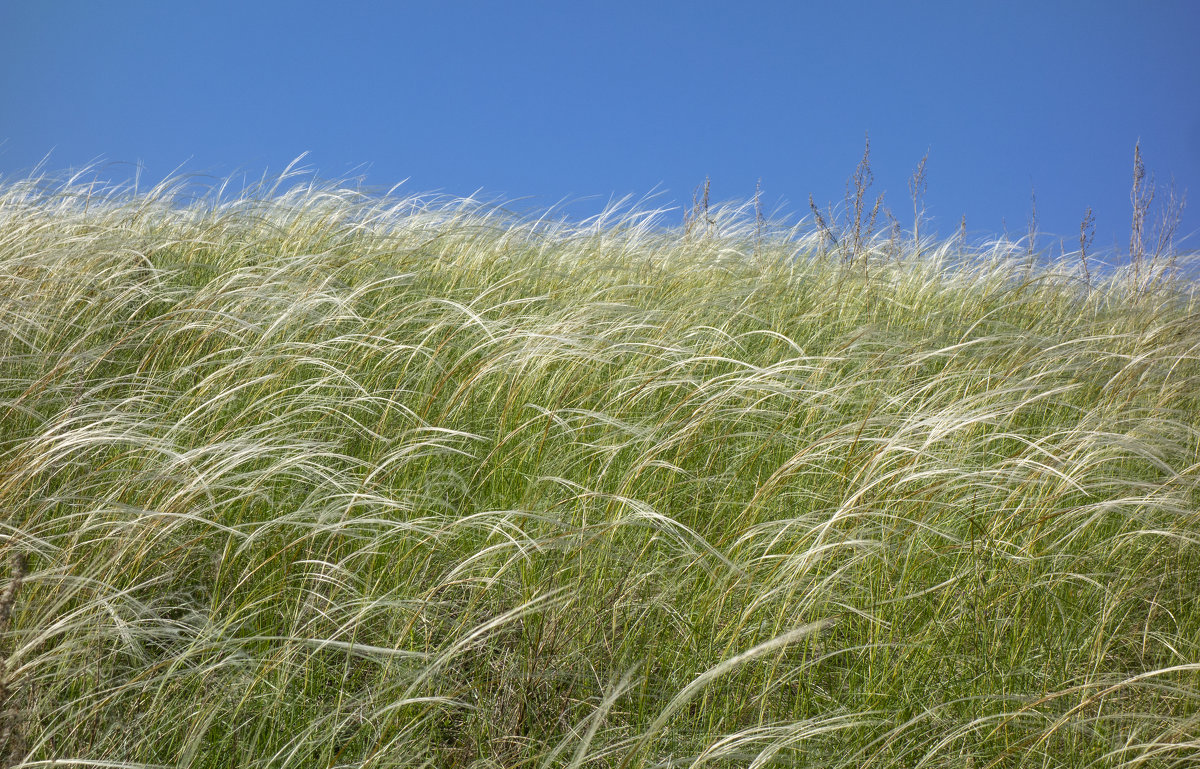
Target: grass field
314,479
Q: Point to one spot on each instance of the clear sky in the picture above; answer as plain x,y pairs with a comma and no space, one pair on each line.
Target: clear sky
573,99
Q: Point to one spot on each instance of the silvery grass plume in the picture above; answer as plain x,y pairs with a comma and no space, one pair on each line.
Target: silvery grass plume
306,477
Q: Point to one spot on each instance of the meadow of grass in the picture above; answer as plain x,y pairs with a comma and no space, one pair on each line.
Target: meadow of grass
315,479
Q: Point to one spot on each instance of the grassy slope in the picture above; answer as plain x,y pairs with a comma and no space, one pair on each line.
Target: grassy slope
313,480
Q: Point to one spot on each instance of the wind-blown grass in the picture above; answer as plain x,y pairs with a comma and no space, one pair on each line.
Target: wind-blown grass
314,479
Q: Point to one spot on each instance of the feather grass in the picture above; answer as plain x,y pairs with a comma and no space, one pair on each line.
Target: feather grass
310,478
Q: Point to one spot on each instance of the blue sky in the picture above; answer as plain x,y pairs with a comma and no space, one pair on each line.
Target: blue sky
550,100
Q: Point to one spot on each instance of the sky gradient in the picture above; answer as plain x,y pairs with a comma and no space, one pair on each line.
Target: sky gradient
545,101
